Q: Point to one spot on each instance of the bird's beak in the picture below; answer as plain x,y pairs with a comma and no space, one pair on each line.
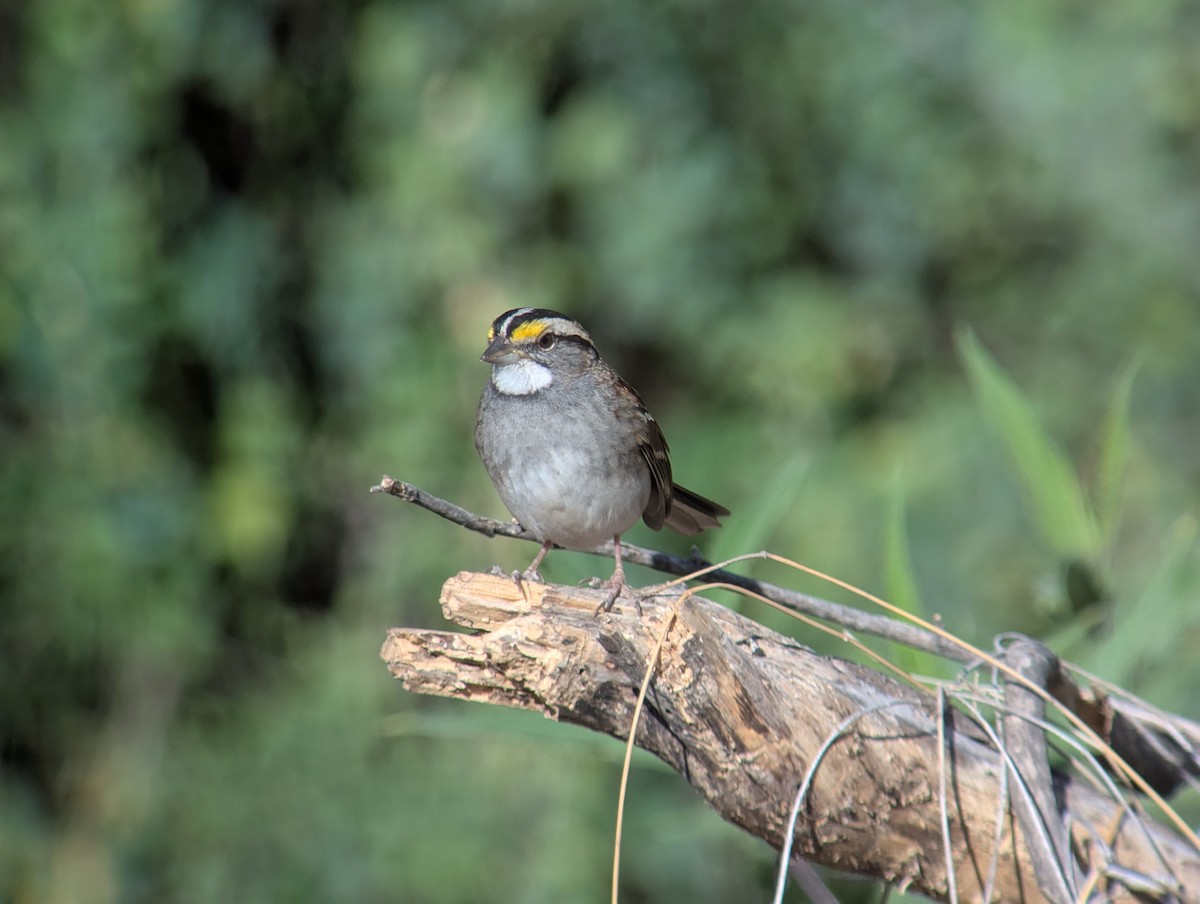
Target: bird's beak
499,351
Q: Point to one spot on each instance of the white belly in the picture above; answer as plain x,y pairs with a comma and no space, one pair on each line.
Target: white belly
557,502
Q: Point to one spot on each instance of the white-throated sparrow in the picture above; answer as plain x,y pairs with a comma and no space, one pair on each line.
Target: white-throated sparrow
573,452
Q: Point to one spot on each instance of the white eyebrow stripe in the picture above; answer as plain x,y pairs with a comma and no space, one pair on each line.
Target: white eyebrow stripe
566,327
502,327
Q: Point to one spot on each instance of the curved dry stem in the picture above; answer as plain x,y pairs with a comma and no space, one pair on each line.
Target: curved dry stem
629,744
1118,762
785,853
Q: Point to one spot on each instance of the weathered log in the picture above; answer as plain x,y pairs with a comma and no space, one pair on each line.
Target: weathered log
741,712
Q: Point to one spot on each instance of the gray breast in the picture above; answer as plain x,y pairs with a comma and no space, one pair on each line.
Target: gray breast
561,463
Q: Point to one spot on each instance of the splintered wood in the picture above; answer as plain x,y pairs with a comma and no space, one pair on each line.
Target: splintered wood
741,712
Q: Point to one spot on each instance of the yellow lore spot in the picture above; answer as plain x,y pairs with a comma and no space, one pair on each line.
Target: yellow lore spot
530,330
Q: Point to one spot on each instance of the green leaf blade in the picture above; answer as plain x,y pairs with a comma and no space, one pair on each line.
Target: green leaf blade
900,581
1060,509
1114,453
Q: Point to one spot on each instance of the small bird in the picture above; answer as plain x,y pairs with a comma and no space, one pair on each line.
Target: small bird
569,445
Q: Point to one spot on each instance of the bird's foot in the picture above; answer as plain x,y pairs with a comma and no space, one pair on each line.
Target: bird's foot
530,576
616,586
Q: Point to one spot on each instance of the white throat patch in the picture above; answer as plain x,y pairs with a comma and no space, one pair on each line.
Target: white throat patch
522,378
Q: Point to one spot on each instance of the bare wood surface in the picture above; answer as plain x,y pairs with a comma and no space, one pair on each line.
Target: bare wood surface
741,712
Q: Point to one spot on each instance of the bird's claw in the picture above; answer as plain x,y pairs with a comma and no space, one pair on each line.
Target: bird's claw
528,576
614,586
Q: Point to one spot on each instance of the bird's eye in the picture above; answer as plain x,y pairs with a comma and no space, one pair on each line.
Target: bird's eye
546,341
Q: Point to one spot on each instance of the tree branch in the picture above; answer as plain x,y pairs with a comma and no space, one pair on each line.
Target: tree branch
845,616
1163,748
1033,796
741,713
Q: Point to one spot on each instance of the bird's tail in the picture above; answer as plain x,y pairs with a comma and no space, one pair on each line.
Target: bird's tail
690,513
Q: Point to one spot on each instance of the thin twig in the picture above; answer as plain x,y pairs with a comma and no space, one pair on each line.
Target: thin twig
846,616
943,804
1037,809
631,741
785,853
1100,778
973,712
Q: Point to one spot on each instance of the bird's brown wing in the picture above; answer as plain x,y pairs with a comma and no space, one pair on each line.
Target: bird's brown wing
678,508
652,446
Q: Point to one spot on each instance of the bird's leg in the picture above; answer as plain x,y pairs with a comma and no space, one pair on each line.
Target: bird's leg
616,583
531,573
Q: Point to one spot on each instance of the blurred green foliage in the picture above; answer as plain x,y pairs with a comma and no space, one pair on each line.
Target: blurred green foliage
248,255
